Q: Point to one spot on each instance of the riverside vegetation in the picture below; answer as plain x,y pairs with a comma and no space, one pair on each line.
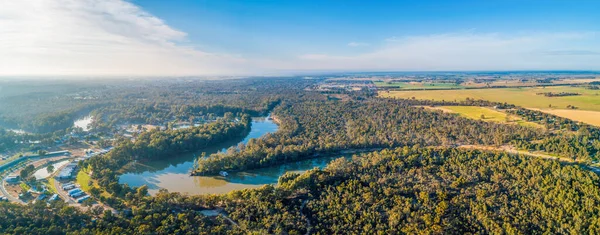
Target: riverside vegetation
412,181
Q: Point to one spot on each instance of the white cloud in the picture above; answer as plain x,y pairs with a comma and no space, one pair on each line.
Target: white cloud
358,44
469,51
97,37
116,37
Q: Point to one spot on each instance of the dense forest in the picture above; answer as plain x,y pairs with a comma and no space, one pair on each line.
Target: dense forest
11,141
48,107
161,144
578,141
310,129
413,180
563,137
397,191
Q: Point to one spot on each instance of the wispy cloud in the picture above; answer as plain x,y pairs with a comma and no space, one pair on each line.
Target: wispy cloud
101,37
358,44
116,37
571,52
469,51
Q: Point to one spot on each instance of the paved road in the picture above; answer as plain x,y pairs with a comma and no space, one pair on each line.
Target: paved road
7,195
513,150
65,196
59,189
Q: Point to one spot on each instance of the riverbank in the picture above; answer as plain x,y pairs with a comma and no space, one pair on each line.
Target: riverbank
173,173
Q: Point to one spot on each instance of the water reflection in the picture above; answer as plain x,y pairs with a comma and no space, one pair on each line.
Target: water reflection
180,182
173,173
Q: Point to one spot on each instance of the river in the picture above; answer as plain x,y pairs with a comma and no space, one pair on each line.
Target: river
173,174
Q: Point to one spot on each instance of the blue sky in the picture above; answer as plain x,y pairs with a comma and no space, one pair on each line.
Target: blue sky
308,26
202,37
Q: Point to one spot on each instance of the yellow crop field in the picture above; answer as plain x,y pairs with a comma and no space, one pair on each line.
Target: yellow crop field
588,103
585,116
525,97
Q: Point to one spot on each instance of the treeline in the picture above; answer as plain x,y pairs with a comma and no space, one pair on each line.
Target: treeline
23,142
143,101
110,116
565,137
571,139
160,144
558,94
312,128
7,140
405,190
466,102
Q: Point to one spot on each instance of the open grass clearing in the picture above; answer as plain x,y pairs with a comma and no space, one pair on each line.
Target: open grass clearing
486,114
86,183
50,184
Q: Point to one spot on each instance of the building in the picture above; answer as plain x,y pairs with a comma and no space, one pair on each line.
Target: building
79,194
82,199
53,198
58,153
12,179
74,191
68,186
68,172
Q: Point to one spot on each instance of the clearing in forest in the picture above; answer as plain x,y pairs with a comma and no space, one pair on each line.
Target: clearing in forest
486,114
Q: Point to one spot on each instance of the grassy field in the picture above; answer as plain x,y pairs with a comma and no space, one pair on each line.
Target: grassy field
50,185
486,114
589,100
24,186
418,85
86,183
525,97
585,116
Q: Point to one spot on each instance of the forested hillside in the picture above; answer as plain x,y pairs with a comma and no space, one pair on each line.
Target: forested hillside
321,127
161,144
397,191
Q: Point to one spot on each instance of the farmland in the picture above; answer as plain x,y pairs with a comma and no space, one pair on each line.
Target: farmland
589,100
585,116
418,85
